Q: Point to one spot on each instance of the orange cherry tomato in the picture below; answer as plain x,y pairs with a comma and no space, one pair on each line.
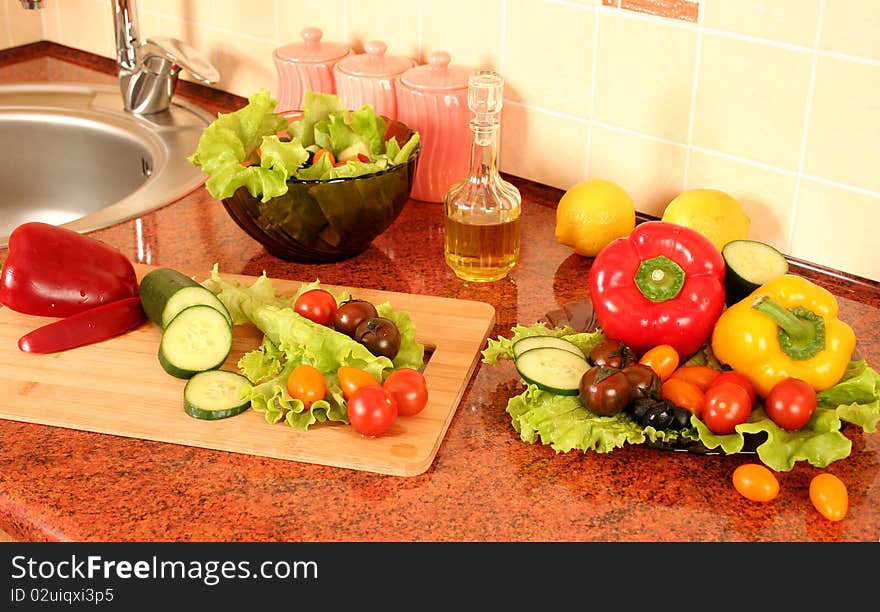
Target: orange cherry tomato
702,376
307,384
829,496
755,482
351,379
663,359
683,394
736,377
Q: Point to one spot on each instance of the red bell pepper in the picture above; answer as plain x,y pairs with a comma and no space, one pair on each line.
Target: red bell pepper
662,284
56,272
87,327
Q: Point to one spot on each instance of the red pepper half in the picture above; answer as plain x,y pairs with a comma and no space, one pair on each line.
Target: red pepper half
52,271
87,327
662,284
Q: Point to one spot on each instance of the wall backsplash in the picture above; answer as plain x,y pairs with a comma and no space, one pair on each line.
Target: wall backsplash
776,102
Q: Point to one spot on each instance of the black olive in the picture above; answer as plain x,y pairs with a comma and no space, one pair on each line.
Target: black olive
658,417
639,406
681,418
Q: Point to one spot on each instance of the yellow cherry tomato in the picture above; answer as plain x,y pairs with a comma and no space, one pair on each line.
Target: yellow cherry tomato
351,379
306,383
829,496
755,482
663,359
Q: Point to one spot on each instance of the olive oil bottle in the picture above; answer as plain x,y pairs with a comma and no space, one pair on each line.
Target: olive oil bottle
482,211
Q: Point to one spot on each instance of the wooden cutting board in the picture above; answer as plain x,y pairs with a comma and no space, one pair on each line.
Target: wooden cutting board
118,387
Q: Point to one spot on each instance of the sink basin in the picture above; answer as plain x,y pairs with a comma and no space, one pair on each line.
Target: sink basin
76,158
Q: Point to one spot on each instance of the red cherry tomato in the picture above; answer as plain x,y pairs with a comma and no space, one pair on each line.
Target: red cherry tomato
351,379
316,305
736,377
371,410
790,403
829,496
663,359
726,405
307,384
755,482
409,388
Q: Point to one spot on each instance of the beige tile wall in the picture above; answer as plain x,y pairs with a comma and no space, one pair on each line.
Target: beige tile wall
775,101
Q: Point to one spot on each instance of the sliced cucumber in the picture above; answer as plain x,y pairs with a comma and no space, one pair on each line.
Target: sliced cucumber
529,342
165,292
216,394
552,369
750,264
199,338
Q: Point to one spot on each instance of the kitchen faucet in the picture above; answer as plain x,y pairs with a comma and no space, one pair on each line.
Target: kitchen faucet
148,70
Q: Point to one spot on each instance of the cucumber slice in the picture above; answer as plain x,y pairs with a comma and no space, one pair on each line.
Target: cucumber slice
552,369
750,264
199,338
216,394
529,342
165,292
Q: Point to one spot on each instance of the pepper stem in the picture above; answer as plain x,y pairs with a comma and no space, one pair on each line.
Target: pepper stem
801,332
659,278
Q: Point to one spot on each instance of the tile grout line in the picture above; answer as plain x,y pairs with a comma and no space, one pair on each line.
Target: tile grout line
808,109
592,100
698,55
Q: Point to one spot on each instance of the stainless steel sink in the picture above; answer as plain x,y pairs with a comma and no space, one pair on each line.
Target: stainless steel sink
73,156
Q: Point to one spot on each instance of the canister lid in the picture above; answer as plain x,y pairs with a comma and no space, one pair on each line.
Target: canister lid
438,74
312,49
375,62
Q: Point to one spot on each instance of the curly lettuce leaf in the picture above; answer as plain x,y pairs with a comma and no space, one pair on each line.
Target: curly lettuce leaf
243,148
562,422
290,340
502,348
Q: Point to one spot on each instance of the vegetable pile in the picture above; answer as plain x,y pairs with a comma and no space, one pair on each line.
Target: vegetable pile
773,369
326,357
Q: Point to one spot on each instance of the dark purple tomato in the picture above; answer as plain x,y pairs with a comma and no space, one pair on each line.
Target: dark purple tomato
350,314
612,353
643,379
604,391
379,335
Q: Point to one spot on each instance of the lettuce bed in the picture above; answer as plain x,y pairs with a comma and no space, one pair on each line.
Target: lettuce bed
564,424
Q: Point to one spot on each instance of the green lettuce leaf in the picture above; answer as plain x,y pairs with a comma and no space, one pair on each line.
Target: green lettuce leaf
243,149
290,340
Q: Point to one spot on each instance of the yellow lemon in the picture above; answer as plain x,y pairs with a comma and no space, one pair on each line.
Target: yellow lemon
715,214
591,214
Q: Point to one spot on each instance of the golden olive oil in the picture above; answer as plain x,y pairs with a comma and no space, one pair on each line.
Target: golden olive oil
481,249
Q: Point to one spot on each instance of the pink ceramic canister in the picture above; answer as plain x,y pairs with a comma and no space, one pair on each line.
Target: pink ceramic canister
306,66
368,78
432,99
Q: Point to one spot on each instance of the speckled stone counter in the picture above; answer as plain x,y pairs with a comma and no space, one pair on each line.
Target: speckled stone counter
485,483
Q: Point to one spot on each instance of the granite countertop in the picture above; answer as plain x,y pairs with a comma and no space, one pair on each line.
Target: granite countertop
485,483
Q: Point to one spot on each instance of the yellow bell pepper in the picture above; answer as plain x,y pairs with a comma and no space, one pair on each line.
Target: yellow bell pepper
788,327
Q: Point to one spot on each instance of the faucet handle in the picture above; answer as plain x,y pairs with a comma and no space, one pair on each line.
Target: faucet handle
181,55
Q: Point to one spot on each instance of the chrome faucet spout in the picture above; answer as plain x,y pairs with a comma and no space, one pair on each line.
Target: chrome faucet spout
148,70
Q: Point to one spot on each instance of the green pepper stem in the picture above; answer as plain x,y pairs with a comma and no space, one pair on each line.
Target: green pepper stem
801,332
659,278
